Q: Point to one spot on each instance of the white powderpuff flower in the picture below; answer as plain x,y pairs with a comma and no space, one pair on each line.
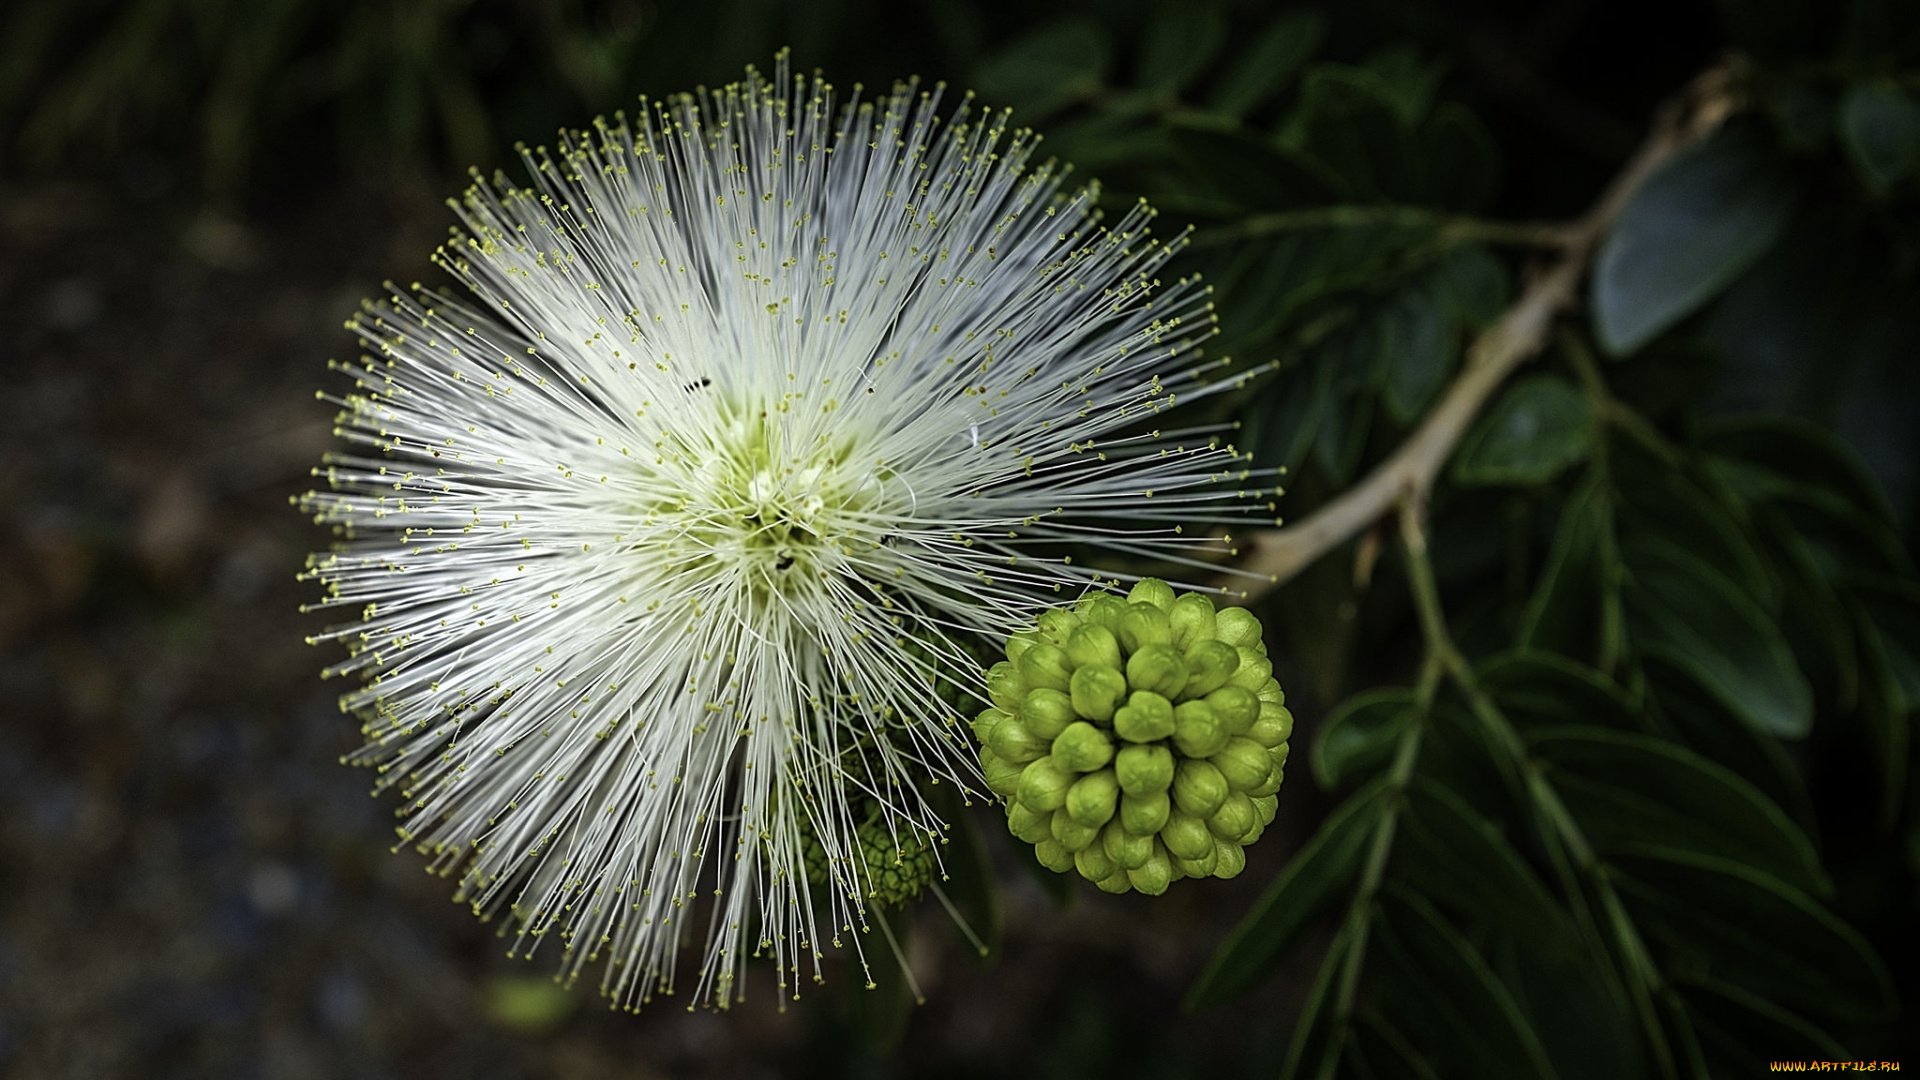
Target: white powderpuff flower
753,390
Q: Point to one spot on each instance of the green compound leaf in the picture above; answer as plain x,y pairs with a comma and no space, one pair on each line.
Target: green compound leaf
1433,978
1183,39
1694,226
1879,124
1249,172
1359,737
1473,284
1686,612
1315,1049
1564,613
1627,788
1416,351
1378,1050
1541,425
1724,920
1272,61
1452,854
1746,1029
1048,68
1312,882
1786,456
1535,687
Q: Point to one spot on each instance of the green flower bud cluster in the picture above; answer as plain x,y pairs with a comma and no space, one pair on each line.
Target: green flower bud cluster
1137,741
897,870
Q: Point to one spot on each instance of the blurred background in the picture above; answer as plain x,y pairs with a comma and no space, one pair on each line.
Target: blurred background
195,193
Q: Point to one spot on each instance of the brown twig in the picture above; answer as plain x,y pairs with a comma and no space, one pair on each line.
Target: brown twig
1279,554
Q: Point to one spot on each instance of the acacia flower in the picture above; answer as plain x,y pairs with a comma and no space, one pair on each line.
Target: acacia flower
659,545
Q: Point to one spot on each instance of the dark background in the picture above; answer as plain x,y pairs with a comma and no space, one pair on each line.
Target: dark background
192,198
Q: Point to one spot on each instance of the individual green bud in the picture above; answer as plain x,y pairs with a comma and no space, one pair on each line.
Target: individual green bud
1003,776
1196,731
1057,625
1271,694
1268,786
1045,665
1229,859
1186,835
1155,874
1192,620
1242,761
1092,798
1198,787
1028,824
1274,726
1234,819
1254,671
1106,610
1196,868
1047,712
1146,717
1144,815
1019,643
1083,747
1279,755
1071,834
1093,863
1129,850
1053,856
1044,784
1093,646
1143,770
1011,740
1144,625
1264,808
1158,669
1152,591
1209,665
1115,883
984,724
1236,708
1097,692
1236,626
1005,687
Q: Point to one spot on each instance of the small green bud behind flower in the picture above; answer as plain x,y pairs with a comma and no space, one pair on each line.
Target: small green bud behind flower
1196,868
1154,875
1229,859
1186,835
1143,770
1057,625
1045,665
1003,776
1209,665
1028,824
1072,835
1047,712
1083,747
1271,694
1094,646
1053,856
1243,762
984,724
1093,863
1152,591
1269,785
1144,815
1192,620
1144,625
1044,784
1236,708
1264,808
1129,851
1274,726
1115,883
1018,644
1198,788
1011,740
1197,733
1103,609
1236,626
1157,668
1146,717
1234,818
1097,692
1005,687
1092,798
1254,671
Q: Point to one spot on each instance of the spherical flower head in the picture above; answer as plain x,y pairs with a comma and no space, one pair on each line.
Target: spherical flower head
657,549
1137,741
